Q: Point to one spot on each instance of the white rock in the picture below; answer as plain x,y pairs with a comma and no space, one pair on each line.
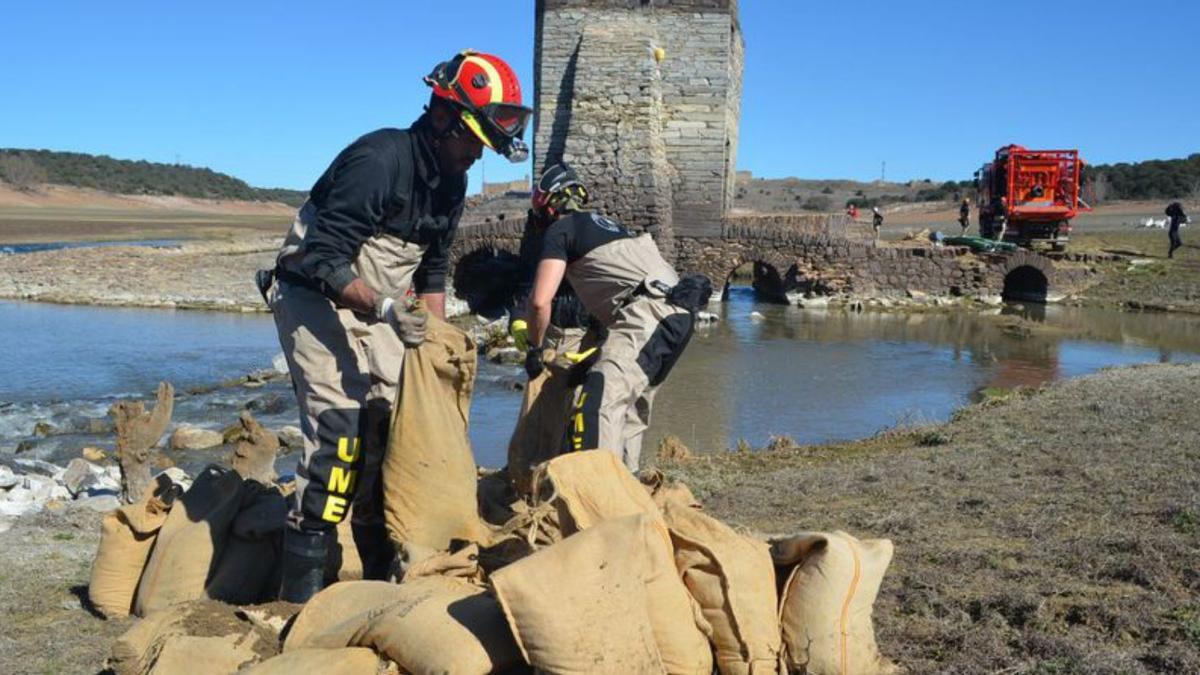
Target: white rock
279,363
917,295
707,317
817,302
290,436
36,467
7,478
757,317
81,475
188,437
177,476
991,300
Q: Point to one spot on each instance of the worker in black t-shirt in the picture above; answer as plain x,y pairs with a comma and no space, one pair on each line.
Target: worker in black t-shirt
376,230
624,282
1178,217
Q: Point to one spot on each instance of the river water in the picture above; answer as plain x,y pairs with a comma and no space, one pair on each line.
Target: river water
813,375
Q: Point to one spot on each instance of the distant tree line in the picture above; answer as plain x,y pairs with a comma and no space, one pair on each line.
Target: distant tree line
948,191
25,169
1153,179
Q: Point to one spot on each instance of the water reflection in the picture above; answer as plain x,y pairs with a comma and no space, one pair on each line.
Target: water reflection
821,376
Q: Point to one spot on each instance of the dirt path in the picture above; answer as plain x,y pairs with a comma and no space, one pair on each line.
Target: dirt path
1054,531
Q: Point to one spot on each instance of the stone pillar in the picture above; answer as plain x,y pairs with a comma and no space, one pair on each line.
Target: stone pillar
656,139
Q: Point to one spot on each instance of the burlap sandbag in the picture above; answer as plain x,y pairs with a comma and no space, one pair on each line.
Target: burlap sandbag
732,578
825,607
127,536
429,470
590,487
541,424
190,541
248,570
188,654
442,625
331,618
580,606
345,661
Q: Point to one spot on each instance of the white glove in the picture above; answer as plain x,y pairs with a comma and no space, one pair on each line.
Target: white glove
409,325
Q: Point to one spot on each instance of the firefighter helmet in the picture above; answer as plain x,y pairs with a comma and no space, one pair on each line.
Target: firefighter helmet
485,91
559,189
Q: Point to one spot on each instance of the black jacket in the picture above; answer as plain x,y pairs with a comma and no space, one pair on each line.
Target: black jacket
385,182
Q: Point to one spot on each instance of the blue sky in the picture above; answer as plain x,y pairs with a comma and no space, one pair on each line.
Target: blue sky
269,91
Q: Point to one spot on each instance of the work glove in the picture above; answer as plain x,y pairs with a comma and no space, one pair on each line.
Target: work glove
533,362
409,324
519,330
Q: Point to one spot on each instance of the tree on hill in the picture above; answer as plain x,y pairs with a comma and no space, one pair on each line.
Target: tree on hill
1153,179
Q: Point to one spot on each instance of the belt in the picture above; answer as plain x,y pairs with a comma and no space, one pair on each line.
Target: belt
264,279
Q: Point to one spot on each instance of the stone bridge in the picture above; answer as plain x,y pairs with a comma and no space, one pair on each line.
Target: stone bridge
824,254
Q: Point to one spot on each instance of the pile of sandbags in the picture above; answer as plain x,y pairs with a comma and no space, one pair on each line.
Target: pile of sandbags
220,539
594,571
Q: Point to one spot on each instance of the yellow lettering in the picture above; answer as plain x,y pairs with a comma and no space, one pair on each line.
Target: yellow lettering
335,509
347,451
341,481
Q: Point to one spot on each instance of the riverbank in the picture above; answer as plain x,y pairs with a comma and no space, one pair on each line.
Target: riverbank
1025,541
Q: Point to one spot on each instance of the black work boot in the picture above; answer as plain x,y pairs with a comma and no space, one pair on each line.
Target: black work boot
303,567
374,549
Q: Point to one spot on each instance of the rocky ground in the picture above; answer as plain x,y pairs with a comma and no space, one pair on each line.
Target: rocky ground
1146,279
1047,531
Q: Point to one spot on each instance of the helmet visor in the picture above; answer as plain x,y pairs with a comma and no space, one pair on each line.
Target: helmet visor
506,119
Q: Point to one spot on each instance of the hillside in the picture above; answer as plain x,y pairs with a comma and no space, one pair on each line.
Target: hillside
27,168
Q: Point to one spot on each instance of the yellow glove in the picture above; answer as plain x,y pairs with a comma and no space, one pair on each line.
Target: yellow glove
519,330
577,357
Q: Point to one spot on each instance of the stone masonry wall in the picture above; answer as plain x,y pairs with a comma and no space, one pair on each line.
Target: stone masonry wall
657,140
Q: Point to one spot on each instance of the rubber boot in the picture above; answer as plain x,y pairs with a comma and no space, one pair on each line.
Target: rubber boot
303,564
374,549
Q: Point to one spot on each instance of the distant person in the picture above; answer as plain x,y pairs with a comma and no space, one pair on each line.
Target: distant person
1178,217
1002,217
964,215
852,211
376,230
876,221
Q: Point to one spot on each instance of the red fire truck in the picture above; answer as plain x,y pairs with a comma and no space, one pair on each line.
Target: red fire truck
1027,196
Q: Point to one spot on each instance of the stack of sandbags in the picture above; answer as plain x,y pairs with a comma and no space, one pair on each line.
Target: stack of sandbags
220,539
127,536
829,588
429,474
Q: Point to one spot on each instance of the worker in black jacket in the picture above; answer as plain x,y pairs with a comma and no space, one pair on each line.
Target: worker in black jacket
1178,217
374,234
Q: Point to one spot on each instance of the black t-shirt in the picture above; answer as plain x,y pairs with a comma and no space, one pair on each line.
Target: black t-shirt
574,236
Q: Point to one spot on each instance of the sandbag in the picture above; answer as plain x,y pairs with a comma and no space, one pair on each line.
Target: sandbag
127,536
590,487
345,661
331,618
541,422
825,607
580,606
442,625
429,470
733,580
188,654
190,541
248,570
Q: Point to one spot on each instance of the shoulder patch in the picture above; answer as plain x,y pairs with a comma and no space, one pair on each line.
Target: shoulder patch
606,224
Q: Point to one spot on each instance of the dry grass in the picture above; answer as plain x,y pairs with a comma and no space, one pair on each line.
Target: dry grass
1052,531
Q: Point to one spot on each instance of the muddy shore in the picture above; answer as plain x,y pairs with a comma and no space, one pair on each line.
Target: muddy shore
1048,531
218,274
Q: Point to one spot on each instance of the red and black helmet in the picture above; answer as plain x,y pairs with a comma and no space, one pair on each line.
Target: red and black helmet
487,94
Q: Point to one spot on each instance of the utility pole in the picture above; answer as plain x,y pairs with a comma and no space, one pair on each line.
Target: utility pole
883,172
